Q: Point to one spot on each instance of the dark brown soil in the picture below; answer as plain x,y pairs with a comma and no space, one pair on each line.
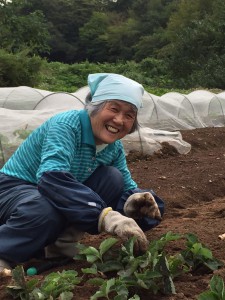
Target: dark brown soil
193,187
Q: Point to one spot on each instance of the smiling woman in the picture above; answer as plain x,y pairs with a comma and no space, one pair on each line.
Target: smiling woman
70,176
114,120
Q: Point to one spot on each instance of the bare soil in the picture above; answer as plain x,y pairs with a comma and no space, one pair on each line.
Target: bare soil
193,187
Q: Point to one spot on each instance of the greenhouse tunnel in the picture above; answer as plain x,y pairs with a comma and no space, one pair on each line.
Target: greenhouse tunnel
22,109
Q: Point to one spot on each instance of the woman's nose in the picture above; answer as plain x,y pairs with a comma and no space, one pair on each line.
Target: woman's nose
119,118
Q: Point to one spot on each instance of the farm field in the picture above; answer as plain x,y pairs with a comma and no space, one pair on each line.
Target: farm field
193,188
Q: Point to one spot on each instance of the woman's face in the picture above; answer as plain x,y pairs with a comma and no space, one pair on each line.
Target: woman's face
113,122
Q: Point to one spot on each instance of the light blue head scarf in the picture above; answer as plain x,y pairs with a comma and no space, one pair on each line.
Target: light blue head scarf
109,86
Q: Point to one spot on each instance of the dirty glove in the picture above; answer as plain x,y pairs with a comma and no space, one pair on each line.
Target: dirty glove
116,224
141,205
65,245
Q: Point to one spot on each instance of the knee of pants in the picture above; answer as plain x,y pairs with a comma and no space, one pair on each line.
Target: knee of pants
107,182
40,215
113,176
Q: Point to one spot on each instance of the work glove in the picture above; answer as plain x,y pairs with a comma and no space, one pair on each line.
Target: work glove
114,223
141,205
65,245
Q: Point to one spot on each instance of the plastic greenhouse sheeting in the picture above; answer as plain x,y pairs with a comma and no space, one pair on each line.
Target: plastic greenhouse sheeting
22,109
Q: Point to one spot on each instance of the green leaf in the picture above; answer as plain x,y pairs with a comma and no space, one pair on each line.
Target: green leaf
130,268
142,284
109,283
19,276
197,248
192,238
128,249
170,236
106,245
121,288
217,285
66,296
163,266
206,253
90,251
31,284
149,274
145,260
97,295
135,297
109,266
214,264
92,258
96,281
208,295
104,290
129,245
169,287
89,270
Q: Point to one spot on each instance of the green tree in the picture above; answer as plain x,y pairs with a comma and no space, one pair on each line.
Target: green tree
122,37
196,50
93,39
19,69
64,17
151,20
19,30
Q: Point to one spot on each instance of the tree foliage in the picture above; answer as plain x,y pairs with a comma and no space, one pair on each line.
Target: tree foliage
187,35
20,29
196,52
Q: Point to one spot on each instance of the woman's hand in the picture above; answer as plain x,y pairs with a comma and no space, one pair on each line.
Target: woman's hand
141,205
116,224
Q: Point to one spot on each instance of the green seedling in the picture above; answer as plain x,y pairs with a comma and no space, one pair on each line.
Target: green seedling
153,271
198,257
216,291
115,288
59,284
150,271
92,254
21,288
54,285
102,259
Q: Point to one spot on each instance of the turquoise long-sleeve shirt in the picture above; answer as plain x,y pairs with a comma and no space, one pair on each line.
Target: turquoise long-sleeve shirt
59,156
66,143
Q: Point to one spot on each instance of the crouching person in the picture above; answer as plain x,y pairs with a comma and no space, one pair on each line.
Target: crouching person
70,177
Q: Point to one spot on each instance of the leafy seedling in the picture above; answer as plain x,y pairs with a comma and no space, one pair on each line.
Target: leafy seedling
54,285
21,288
102,259
58,284
198,257
216,291
115,288
153,271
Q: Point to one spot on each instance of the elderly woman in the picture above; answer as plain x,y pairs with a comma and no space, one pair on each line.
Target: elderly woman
70,177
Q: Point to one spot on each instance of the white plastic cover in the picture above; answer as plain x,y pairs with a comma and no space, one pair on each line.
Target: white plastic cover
23,108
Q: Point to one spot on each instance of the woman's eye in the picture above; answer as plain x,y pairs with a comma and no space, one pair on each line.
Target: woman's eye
114,109
130,116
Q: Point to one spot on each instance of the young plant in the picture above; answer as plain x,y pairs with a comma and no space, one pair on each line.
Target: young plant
216,291
150,271
22,288
113,287
198,257
58,284
155,269
102,259
54,285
